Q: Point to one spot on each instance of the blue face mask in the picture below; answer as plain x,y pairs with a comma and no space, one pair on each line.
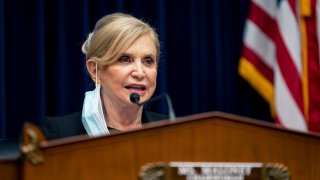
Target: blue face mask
92,113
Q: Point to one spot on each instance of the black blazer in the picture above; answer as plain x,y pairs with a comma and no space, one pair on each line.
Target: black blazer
71,124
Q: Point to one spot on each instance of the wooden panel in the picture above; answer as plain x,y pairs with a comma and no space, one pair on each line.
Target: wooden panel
208,137
9,169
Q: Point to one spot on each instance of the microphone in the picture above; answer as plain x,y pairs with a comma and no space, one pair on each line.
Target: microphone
135,98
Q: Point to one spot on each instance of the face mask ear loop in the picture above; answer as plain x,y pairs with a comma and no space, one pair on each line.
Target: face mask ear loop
96,74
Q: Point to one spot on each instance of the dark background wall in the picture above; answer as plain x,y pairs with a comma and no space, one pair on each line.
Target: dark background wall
42,69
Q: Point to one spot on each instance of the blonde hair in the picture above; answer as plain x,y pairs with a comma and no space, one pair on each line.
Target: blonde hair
114,34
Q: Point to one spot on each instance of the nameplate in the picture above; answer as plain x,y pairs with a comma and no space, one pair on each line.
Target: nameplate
213,171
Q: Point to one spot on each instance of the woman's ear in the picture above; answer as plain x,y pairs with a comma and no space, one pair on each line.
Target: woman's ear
92,69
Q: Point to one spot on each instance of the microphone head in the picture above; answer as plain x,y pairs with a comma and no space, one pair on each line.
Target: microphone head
135,98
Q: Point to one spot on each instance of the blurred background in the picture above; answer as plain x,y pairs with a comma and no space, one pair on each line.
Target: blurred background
42,69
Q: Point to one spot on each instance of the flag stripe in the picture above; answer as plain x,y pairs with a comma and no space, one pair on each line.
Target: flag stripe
258,63
288,113
291,4
313,77
289,73
289,30
259,17
261,44
267,6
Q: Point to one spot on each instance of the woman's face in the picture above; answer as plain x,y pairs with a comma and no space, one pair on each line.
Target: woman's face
135,71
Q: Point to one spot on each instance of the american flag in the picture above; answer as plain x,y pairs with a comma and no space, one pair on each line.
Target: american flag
280,59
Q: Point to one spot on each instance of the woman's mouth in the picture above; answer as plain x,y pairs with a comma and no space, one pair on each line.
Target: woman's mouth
137,88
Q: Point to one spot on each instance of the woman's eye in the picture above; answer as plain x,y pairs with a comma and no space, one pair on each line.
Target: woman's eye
148,61
124,59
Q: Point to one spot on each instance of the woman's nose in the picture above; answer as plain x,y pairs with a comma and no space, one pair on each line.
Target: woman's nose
138,71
